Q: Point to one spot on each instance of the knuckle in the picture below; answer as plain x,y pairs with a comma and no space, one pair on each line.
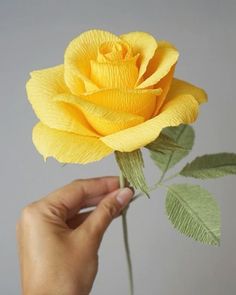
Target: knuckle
55,210
110,208
28,212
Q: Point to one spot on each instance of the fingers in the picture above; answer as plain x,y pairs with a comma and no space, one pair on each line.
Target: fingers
91,202
68,199
110,207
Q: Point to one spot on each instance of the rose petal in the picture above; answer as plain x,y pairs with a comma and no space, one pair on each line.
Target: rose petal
78,55
119,74
41,88
178,110
141,102
143,44
68,147
103,120
164,84
179,87
164,58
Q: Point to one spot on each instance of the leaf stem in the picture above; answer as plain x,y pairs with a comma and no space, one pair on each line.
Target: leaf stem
162,177
162,180
170,177
126,240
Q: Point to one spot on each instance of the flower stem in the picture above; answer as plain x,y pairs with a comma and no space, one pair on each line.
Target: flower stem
126,240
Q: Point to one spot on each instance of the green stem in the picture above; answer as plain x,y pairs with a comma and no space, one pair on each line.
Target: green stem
126,240
163,180
170,177
162,176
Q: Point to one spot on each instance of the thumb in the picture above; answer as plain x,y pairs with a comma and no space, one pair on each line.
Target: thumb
109,208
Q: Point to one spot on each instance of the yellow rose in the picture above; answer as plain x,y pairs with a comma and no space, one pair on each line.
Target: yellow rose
113,93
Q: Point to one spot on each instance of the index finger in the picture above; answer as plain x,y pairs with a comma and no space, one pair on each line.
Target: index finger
71,196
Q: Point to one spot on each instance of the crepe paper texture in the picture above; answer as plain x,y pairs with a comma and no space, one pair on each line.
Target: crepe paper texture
194,212
211,166
112,93
182,135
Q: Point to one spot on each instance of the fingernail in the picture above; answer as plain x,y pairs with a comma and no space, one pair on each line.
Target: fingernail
124,196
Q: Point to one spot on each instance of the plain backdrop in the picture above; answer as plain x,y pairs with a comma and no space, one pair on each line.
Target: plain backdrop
33,35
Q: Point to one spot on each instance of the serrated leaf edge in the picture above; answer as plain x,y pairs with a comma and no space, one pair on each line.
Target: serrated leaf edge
214,237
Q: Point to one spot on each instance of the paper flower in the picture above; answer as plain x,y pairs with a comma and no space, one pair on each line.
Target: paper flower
118,94
113,93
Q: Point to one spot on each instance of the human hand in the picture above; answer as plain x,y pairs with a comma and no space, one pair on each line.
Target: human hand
57,245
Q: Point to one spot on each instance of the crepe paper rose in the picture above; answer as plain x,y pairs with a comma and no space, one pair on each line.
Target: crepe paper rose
112,93
118,94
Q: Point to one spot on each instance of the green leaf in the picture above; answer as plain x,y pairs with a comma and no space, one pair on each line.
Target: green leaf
164,143
183,136
194,212
131,165
211,166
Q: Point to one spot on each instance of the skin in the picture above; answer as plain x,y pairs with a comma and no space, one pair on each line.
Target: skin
58,244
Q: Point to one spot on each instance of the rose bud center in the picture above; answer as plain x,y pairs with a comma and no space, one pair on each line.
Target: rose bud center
114,51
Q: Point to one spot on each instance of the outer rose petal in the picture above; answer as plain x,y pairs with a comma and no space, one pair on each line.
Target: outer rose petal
143,44
141,102
180,109
164,84
68,147
78,55
103,120
179,87
41,88
165,57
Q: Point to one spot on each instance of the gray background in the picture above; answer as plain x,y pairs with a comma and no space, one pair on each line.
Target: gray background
34,35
